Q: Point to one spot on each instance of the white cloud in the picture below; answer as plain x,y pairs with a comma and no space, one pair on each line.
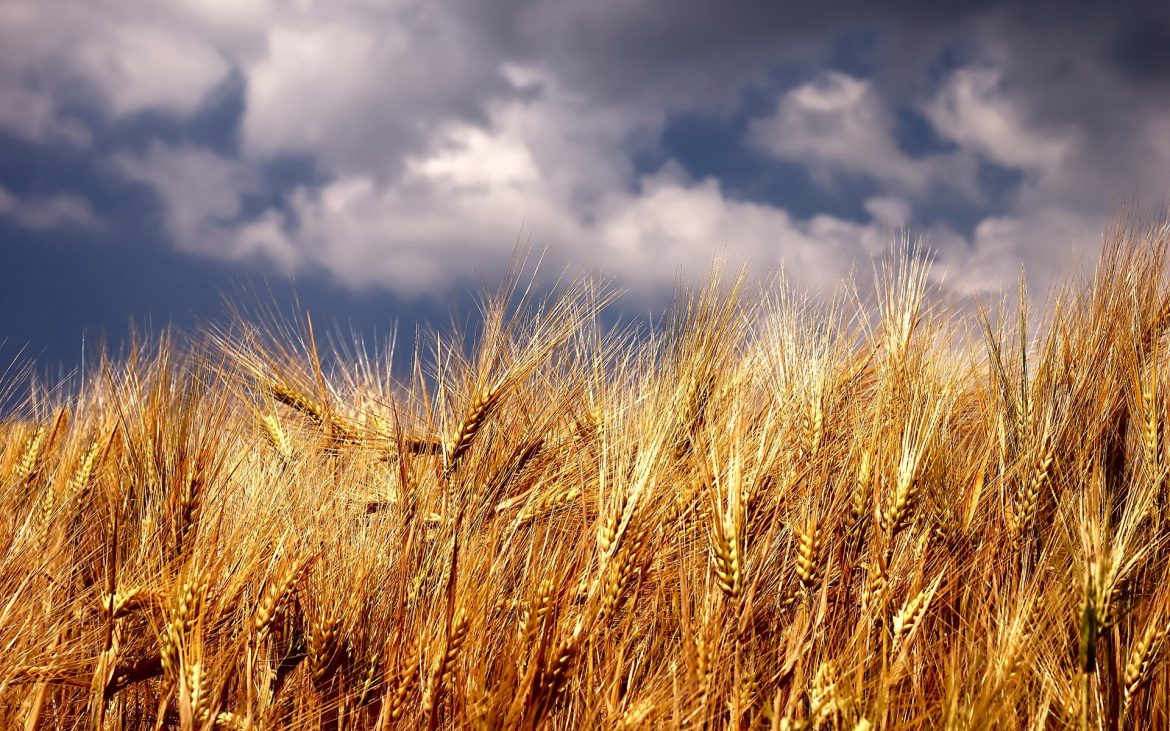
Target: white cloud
973,109
202,192
1079,163
360,87
416,243
1055,241
32,115
44,213
309,91
227,18
546,164
837,124
115,57
677,222
888,210
140,67
407,235
456,207
476,159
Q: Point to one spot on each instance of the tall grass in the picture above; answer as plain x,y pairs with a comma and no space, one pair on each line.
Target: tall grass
768,515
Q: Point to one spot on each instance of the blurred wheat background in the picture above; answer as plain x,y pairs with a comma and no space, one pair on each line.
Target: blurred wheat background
767,514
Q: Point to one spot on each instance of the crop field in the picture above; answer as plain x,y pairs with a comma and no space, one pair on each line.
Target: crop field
766,513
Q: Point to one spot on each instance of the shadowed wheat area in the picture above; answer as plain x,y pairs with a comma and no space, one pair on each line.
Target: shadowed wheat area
765,516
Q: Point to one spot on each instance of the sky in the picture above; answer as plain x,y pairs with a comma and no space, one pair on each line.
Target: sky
379,160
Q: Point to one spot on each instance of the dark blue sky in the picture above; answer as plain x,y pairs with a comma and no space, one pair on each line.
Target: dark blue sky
379,162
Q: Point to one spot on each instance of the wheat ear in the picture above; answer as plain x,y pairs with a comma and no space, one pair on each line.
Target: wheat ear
810,542
908,618
473,421
1144,656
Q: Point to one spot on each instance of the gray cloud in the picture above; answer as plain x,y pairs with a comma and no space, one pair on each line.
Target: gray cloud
1141,49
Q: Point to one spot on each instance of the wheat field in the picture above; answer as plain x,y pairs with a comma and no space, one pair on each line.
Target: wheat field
765,514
